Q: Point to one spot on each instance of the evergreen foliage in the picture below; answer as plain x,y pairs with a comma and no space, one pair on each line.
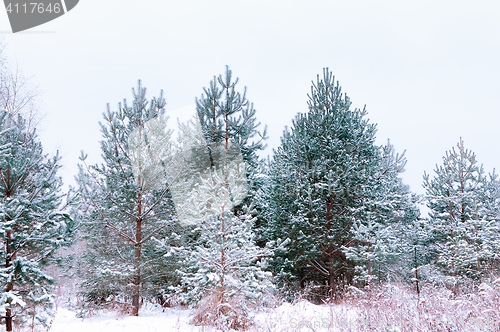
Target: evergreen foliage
226,116
32,226
463,220
224,260
223,265
381,232
126,210
335,194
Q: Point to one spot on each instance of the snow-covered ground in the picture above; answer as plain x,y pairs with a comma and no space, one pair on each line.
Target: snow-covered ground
390,308
302,316
151,320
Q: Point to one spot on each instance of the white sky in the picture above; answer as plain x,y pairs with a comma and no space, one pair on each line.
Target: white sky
428,71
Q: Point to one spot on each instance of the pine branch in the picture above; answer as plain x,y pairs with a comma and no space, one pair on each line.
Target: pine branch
152,233
161,197
47,254
320,269
21,178
52,173
249,258
121,148
106,192
105,219
197,255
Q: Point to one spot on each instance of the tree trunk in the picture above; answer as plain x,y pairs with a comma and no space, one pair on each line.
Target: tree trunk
137,261
331,274
8,313
416,274
369,266
331,282
8,319
223,257
137,281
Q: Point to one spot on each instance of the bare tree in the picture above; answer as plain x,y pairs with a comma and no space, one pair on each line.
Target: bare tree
18,93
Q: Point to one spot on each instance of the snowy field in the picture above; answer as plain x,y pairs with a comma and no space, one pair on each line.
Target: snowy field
302,316
390,308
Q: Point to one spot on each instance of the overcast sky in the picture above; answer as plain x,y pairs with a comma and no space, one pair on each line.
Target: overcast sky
427,71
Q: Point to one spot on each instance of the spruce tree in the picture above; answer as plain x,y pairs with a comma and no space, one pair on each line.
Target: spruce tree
126,209
32,225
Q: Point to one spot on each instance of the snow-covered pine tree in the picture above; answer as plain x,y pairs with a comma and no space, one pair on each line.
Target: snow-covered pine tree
223,265
463,217
126,208
32,225
381,244
326,177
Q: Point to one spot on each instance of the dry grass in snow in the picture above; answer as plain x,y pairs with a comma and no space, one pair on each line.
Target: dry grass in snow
388,308
392,308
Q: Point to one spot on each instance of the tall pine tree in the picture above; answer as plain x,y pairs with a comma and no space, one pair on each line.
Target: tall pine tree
126,208
223,265
330,187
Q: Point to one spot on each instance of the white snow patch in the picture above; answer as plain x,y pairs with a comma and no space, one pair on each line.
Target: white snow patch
150,320
301,316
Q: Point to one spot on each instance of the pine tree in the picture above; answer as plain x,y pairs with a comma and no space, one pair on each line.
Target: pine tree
463,218
380,230
330,188
32,225
126,209
223,264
